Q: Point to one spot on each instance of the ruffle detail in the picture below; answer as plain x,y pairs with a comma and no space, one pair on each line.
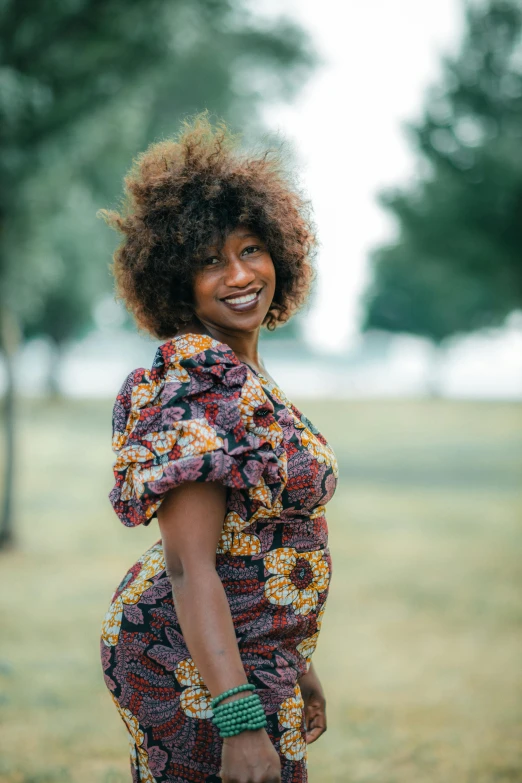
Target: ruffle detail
199,414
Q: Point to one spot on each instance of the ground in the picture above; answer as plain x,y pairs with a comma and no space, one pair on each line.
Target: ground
420,651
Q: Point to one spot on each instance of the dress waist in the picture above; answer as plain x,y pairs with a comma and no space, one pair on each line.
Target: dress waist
264,534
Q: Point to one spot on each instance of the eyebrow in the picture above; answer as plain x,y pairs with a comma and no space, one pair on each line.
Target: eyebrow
241,236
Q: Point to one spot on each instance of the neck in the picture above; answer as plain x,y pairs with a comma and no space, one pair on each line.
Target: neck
244,344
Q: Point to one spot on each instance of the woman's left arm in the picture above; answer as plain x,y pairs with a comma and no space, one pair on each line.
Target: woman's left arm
314,704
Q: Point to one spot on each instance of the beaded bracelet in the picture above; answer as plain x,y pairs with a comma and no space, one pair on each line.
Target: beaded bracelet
247,686
238,705
240,715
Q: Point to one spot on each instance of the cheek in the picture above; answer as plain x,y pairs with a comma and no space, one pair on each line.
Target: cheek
202,290
269,272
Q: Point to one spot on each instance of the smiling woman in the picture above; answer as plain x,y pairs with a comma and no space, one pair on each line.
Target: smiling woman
231,599
183,196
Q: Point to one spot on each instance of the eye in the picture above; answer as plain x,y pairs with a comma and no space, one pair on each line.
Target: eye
211,261
251,248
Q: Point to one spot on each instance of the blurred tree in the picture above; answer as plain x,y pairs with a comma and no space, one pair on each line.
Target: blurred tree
83,87
456,265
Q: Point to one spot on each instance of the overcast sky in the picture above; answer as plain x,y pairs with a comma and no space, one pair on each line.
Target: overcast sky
346,127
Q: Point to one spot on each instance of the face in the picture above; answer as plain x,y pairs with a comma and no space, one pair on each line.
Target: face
235,284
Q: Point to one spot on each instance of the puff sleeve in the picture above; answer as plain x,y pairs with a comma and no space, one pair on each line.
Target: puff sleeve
199,414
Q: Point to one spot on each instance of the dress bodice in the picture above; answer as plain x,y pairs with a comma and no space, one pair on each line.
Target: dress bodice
201,414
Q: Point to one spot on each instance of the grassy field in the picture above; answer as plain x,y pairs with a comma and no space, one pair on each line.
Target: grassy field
421,646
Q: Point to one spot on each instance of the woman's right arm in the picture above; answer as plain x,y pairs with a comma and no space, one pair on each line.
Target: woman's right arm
191,521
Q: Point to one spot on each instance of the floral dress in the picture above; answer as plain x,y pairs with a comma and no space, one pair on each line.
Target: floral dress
200,414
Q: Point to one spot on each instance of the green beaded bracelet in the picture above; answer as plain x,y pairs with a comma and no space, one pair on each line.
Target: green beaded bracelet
239,711
239,716
243,699
223,714
250,719
245,687
240,719
244,704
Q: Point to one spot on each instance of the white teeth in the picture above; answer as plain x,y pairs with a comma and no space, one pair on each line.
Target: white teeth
242,299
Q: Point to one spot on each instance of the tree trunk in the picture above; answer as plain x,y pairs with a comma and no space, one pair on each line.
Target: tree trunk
434,371
53,386
9,341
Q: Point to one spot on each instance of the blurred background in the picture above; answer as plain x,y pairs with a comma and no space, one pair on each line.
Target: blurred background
404,121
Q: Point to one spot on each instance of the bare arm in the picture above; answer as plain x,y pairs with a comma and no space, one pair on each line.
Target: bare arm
191,520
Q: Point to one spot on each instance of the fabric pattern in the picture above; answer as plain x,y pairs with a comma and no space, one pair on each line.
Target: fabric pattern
200,414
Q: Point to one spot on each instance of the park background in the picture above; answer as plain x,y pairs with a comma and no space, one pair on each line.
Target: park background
404,123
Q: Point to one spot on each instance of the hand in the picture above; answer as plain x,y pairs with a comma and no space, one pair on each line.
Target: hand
250,757
314,705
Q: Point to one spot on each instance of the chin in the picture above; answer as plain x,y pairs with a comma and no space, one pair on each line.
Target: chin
247,322
244,325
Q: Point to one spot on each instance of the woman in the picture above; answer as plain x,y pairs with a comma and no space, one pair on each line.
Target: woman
227,606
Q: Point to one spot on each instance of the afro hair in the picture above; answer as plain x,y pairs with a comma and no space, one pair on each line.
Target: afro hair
184,194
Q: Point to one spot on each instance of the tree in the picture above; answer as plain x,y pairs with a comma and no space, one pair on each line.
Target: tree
456,265
84,87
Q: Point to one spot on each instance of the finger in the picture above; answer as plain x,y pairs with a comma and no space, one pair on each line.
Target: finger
315,725
314,734
315,716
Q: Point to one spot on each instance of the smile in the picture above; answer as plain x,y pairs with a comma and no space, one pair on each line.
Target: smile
243,301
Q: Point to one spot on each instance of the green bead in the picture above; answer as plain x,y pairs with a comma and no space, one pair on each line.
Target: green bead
246,686
253,699
234,705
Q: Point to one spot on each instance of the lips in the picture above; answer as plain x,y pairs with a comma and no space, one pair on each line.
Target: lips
247,300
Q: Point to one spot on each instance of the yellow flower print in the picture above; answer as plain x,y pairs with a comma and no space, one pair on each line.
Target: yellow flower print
132,457
320,451
276,392
195,698
253,397
196,437
192,437
139,756
150,565
144,394
192,343
293,745
176,374
262,496
299,578
306,648
234,541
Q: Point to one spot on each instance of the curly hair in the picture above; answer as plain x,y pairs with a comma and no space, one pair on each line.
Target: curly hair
183,193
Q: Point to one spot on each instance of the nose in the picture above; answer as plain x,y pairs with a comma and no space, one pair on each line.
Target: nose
238,273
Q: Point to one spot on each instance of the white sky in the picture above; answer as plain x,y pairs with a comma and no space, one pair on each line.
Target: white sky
346,127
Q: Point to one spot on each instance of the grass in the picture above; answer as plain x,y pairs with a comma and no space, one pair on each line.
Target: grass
421,646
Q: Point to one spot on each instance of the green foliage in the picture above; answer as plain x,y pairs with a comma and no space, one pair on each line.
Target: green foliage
83,88
456,265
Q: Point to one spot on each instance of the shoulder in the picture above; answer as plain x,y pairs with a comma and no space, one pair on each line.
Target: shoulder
191,376
198,414
198,361
179,361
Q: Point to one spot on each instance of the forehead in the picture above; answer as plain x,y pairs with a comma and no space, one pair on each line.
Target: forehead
238,233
